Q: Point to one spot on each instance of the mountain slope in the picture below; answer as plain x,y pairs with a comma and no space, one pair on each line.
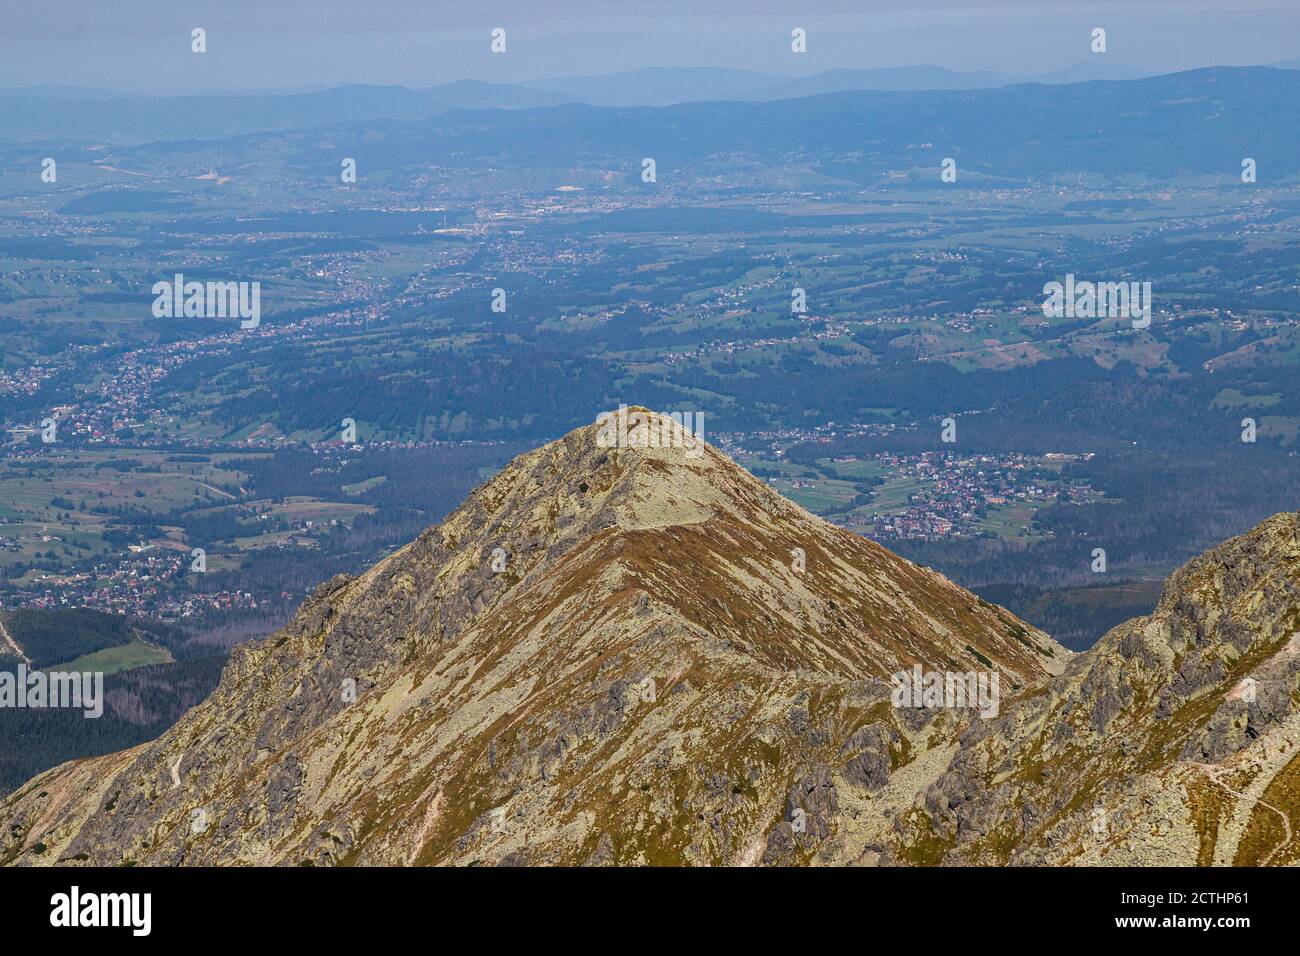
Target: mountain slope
641,674
1174,741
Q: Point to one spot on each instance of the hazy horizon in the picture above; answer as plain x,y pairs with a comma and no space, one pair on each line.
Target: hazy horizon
343,82
294,47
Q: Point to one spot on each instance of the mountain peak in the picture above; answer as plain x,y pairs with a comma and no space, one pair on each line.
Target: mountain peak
626,650
610,630
632,467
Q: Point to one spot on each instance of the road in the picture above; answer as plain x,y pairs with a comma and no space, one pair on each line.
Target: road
8,640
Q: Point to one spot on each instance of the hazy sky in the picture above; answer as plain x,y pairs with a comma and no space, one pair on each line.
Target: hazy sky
144,45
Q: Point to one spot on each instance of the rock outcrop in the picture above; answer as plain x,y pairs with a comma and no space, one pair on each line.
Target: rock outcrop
1175,740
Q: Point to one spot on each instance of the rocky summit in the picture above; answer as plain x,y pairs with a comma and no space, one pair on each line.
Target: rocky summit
626,650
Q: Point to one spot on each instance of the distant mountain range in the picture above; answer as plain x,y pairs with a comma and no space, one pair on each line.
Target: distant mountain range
43,113
663,87
1161,128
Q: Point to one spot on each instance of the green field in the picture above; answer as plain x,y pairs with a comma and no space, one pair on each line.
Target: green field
112,659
